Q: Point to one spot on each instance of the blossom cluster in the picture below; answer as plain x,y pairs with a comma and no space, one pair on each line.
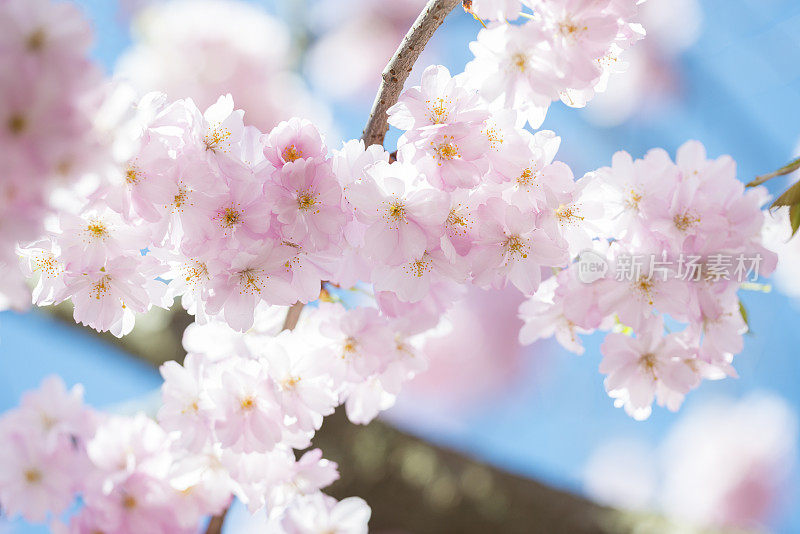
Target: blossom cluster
241,224
234,218
693,207
47,89
565,50
133,476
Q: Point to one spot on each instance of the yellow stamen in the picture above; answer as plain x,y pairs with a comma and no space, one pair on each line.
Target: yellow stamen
217,138
17,124
129,502
230,218
132,174
515,245
419,267
568,214
101,288
645,287
520,61
397,211
633,200
33,476
291,153
306,201
36,40
350,346
439,110
447,150
249,281
495,137
684,221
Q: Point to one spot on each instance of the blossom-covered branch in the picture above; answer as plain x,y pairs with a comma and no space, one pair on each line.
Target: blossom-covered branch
400,65
246,226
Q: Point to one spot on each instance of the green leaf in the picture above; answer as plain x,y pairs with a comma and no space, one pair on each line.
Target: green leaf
786,169
790,197
794,217
743,311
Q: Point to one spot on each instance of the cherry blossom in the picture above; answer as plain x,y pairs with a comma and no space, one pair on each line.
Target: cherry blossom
320,513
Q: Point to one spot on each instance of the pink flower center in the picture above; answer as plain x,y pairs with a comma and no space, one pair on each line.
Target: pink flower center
217,138
230,218
527,178
195,271
447,150
684,221
419,267
515,245
305,201
291,153
36,40
17,124
396,211
438,109
132,175
129,502
101,288
33,476
249,281
632,202
495,137
568,214
520,61
644,286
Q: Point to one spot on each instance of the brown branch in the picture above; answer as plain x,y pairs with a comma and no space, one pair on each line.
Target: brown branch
216,522
292,316
399,67
413,486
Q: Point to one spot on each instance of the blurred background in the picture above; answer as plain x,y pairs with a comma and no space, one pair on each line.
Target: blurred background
725,72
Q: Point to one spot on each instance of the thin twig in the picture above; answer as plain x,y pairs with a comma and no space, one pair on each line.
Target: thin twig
215,524
399,67
786,169
292,316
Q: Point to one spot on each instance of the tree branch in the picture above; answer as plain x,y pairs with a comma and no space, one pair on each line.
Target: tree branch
399,67
292,316
216,522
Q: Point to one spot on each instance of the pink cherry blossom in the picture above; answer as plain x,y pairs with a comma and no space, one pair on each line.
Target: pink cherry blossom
307,202
320,513
35,482
438,102
637,367
511,248
293,140
245,408
402,219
